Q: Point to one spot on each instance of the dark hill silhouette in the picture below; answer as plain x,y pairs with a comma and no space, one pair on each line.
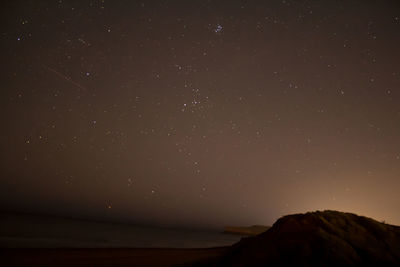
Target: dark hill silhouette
328,238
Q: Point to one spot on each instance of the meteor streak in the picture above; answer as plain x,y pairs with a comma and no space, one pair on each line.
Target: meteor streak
59,74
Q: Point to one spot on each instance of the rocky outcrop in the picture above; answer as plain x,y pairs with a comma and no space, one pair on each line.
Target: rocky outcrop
328,238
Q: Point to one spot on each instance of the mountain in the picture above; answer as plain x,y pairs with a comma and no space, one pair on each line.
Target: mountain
328,238
246,230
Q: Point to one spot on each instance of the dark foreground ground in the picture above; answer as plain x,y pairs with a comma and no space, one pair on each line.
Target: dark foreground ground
328,238
108,257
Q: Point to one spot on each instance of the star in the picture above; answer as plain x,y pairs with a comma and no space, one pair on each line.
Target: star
218,28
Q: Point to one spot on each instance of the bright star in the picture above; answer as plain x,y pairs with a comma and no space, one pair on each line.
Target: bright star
218,29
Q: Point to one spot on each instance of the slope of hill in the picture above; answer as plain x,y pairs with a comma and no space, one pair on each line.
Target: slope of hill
328,238
246,230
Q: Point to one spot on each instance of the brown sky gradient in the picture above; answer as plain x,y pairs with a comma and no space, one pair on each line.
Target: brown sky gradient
201,113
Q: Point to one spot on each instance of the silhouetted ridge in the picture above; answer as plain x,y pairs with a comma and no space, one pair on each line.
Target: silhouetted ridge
328,238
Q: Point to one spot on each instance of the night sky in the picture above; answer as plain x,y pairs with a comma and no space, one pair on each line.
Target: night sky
200,113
